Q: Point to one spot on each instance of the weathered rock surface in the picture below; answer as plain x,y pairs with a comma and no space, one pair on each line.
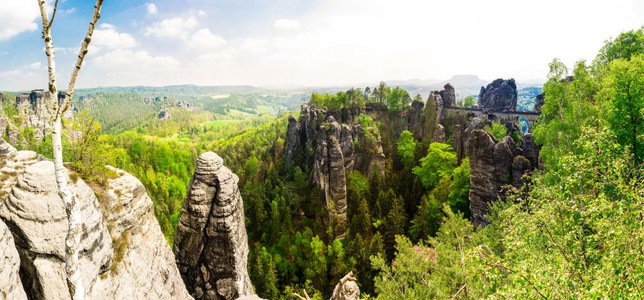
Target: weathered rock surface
292,139
500,95
211,244
36,216
346,289
448,95
539,101
340,147
37,111
123,252
415,118
493,167
10,283
329,173
483,182
147,269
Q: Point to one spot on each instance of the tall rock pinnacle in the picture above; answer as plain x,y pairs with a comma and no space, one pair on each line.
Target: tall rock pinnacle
211,244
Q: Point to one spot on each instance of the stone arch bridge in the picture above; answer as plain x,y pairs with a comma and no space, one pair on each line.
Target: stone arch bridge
530,116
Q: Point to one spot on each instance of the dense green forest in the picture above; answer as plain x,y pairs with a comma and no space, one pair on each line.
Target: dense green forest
574,231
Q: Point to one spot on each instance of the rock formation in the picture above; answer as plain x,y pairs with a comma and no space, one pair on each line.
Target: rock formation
538,102
211,244
340,146
500,95
448,95
346,289
493,167
123,252
329,173
292,138
37,111
10,283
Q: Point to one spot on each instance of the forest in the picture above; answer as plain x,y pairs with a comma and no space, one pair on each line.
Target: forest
574,230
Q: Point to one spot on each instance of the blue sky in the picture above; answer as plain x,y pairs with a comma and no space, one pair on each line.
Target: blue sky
295,43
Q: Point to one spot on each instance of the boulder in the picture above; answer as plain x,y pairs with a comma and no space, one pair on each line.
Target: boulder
211,244
500,95
530,150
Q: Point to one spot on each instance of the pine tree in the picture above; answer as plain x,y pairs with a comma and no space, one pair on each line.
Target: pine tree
394,225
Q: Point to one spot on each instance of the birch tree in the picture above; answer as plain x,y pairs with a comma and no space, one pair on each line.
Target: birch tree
72,241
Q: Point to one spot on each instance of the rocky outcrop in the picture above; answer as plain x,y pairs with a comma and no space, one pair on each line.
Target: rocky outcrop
292,139
539,101
123,252
340,146
448,95
36,216
500,95
483,181
10,283
330,175
38,112
415,119
211,244
346,289
143,265
494,166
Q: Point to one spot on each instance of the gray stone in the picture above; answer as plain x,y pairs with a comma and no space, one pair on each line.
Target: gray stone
500,95
10,283
211,244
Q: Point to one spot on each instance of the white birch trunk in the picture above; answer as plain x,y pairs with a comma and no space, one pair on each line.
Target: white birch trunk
72,241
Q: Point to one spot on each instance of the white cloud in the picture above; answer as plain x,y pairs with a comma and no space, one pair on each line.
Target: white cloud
17,17
176,27
152,8
202,13
286,24
107,36
206,40
35,66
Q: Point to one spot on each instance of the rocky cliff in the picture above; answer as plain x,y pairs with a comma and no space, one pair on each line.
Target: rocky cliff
35,112
211,244
123,252
494,167
340,145
500,95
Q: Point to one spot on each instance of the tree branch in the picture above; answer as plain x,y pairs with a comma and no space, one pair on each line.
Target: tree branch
53,15
81,57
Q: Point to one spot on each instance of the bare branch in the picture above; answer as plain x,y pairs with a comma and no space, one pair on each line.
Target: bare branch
81,57
53,15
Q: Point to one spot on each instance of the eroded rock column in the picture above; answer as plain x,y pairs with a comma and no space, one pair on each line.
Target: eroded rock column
211,244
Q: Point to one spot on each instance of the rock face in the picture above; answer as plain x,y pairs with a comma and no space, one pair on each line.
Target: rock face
292,139
123,252
329,173
500,95
448,95
38,111
346,289
340,146
493,167
10,283
538,102
211,244
147,269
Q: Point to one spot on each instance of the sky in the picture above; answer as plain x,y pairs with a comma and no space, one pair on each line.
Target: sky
288,43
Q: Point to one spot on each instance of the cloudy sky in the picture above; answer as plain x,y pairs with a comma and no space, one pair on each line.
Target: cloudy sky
299,42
